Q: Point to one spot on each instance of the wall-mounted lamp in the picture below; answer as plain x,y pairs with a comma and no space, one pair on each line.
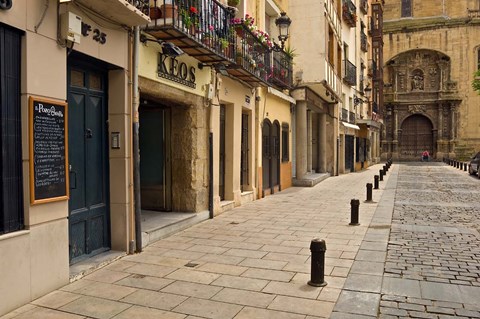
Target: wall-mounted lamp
357,100
219,67
168,48
283,23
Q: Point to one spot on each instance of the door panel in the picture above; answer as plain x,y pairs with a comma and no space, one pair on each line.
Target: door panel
266,154
244,172
87,129
416,137
221,179
275,158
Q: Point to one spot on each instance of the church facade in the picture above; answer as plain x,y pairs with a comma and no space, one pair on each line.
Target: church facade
431,52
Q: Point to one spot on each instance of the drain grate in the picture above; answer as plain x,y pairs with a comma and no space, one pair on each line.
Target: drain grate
380,226
191,265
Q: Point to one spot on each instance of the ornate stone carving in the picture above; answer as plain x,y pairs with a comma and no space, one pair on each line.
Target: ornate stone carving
417,108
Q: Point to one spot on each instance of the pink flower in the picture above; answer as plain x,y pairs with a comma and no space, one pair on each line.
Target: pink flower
210,27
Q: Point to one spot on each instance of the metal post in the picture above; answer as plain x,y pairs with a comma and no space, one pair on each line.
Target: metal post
465,166
461,166
317,276
380,172
369,192
375,181
354,205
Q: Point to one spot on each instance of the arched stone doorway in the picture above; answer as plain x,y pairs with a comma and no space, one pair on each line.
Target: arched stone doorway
270,156
416,137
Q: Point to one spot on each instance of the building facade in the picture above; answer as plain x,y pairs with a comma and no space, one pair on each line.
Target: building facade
66,102
429,102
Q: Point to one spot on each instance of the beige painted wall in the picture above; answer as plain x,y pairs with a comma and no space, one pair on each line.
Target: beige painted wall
36,261
234,95
308,39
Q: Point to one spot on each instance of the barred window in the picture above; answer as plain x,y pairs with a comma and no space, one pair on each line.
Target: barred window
285,143
11,195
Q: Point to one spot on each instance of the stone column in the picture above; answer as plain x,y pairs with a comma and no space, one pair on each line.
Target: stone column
322,142
309,141
301,139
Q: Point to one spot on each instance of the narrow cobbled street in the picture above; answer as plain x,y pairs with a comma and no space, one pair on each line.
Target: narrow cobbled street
415,254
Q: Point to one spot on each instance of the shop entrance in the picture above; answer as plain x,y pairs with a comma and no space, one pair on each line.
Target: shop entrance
89,216
155,171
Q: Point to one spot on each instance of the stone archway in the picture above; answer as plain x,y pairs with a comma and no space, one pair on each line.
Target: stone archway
416,137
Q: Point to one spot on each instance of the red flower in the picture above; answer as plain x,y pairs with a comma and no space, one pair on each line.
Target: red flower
193,10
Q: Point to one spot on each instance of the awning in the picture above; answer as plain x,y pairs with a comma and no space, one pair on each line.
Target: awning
355,127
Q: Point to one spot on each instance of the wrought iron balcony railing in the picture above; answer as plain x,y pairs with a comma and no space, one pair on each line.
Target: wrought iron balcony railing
344,115
252,57
473,14
349,13
201,28
351,117
363,42
350,76
281,75
142,5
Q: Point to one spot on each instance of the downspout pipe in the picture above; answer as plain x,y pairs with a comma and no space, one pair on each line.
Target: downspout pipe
136,142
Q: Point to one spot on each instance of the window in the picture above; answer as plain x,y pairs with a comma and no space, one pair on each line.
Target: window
11,195
406,8
285,143
478,59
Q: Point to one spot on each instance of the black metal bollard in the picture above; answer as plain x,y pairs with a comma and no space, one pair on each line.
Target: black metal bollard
461,166
354,205
465,166
369,192
380,172
317,275
458,164
375,181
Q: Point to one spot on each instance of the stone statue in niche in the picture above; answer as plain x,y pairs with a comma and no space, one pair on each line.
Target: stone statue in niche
417,81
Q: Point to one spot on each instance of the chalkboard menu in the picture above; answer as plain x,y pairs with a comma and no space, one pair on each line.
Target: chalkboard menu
48,150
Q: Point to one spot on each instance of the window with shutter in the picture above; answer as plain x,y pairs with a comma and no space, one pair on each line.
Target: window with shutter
11,195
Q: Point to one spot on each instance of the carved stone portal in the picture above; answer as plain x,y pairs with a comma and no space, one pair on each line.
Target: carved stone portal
424,100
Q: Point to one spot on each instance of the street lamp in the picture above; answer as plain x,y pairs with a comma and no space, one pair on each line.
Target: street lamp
283,23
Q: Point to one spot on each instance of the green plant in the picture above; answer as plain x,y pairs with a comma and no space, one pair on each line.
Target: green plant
476,81
290,52
189,17
233,3
223,42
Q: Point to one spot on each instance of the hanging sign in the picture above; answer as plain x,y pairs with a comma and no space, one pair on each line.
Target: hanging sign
48,150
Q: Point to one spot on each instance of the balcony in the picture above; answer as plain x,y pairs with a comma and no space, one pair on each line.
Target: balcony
130,13
252,58
349,13
364,6
363,42
344,115
281,75
351,117
474,14
350,76
201,28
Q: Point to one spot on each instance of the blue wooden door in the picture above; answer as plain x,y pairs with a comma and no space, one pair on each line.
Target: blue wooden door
87,151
